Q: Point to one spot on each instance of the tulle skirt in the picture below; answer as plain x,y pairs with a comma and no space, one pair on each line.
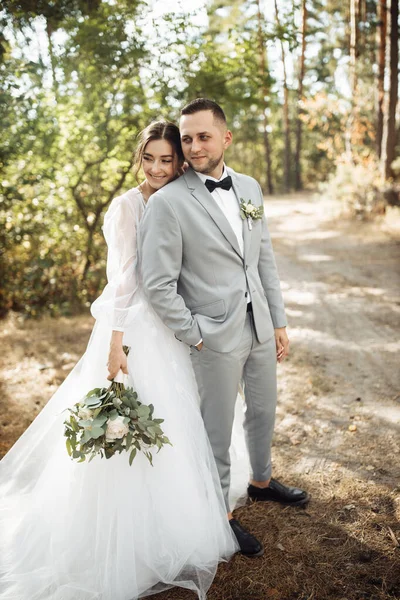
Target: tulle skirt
105,530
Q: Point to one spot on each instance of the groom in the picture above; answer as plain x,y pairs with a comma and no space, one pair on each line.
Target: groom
211,277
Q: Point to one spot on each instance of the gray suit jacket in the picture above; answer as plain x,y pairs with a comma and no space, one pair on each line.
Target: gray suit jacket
193,272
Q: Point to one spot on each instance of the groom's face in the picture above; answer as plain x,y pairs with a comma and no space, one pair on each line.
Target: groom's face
204,141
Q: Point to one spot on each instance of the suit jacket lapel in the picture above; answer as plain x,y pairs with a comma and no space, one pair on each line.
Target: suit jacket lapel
241,195
202,195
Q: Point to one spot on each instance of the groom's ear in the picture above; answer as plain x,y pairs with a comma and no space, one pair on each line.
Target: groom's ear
228,138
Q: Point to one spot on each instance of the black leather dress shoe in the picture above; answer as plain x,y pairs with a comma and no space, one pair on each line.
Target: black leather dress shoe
249,545
277,492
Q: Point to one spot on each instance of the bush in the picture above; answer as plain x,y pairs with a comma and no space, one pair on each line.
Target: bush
43,256
358,188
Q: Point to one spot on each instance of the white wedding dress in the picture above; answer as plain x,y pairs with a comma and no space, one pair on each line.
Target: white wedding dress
105,530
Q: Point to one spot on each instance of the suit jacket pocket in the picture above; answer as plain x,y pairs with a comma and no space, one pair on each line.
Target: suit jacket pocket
213,309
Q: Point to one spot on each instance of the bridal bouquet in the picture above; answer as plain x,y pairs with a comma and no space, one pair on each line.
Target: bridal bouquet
110,420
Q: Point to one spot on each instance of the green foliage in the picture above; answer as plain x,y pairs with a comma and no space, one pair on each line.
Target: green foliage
80,79
67,151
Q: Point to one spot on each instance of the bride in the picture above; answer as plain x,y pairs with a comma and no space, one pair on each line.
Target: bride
105,530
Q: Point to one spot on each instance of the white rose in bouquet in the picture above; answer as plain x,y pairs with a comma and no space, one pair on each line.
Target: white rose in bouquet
85,413
251,209
116,429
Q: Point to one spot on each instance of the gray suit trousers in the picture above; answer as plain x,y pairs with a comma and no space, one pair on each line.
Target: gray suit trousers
218,376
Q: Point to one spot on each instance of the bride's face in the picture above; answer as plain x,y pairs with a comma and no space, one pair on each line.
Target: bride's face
160,163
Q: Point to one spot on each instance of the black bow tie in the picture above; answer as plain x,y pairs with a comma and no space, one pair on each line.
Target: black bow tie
225,184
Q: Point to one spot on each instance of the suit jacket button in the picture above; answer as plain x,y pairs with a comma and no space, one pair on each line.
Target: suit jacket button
245,295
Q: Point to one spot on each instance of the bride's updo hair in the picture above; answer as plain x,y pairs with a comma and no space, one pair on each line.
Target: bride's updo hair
158,130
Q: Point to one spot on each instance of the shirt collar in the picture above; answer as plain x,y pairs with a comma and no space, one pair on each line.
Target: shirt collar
203,177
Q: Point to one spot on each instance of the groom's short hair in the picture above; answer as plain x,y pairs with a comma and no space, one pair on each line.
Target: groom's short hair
204,104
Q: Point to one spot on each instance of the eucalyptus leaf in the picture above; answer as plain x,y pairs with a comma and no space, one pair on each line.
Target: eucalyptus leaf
99,421
69,447
93,402
149,457
143,411
151,431
96,432
132,456
93,392
86,436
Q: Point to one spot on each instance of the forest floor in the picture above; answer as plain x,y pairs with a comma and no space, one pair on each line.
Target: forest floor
338,423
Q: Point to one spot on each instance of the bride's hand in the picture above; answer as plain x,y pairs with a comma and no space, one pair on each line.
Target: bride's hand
116,357
183,169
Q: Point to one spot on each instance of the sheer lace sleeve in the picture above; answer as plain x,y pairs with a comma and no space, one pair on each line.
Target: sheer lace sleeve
116,305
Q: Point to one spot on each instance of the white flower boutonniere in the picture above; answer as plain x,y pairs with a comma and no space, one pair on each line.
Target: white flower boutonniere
250,212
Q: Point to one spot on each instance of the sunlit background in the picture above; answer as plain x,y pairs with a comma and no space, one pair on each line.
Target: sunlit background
310,91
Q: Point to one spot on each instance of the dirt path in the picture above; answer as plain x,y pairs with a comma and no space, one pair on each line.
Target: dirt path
338,422
341,284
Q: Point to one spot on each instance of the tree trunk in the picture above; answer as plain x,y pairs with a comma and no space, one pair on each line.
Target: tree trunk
354,44
286,118
353,120
389,137
88,253
264,104
381,45
297,162
49,32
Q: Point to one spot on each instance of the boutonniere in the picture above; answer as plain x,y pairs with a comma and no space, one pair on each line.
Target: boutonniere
250,212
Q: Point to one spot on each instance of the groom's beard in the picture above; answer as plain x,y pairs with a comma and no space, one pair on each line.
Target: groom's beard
208,167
